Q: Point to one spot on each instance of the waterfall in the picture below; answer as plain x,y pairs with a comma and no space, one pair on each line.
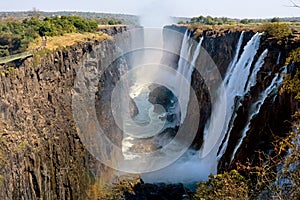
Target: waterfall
278,58
241,71
258,65
235,82
188,168
276,82
251,82
226,80
235,59
185,69
240,77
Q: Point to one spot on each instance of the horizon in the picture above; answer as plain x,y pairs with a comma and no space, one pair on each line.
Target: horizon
115,13
255,9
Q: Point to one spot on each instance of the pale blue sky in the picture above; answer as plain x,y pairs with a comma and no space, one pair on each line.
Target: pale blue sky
228,8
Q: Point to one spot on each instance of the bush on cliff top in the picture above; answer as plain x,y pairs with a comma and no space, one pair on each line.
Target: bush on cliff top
15,36
277,30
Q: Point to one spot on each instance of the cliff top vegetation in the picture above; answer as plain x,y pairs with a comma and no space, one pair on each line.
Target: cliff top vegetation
30,33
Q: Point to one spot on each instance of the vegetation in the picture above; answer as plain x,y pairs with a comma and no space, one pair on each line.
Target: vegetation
224,20
276,177
67,39
294,57
277,30
105,191
208,21
15,36
230,185
110,21
101,18
291,84
61,25
112,191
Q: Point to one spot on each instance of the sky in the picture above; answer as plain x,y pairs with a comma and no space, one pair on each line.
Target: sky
182,8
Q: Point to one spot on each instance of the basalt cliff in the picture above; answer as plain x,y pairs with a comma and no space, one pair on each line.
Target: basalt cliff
42,155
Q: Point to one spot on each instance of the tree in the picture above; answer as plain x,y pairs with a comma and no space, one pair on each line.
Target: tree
244,21
277,30
275,19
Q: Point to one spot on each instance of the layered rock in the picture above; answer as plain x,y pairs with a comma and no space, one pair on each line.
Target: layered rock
41,152
43,156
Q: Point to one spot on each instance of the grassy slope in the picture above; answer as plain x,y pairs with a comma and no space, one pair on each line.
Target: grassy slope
68,39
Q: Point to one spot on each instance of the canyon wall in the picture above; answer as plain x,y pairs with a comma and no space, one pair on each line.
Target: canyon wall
41,154
275,112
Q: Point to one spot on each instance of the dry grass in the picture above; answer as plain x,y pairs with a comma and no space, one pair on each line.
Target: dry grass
69,39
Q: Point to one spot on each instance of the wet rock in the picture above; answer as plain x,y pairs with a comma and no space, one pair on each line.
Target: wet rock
162,96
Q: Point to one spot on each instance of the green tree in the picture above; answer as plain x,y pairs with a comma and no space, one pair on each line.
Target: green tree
244,21
275,19
277,30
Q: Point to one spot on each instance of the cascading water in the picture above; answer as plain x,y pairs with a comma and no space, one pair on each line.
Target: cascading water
276,82
251,82
235,59
185,69
235,82
226,81
258,65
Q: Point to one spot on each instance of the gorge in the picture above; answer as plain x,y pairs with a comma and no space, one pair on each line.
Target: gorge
216,102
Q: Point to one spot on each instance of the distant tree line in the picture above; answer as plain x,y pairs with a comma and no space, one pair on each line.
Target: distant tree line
110,21
208,20
224,20
16,35
249,21
102,18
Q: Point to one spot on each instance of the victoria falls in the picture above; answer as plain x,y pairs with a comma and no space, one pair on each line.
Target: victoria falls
149,105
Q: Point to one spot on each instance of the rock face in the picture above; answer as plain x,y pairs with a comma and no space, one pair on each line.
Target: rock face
274,114
143,191
220,46
41,154
165,97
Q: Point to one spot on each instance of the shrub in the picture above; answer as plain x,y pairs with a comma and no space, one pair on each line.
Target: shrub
294,56
291,84
277,30
112,191
277,176
15,36
229,185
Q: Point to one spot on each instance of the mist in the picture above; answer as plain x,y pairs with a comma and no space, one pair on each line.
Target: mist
156,14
